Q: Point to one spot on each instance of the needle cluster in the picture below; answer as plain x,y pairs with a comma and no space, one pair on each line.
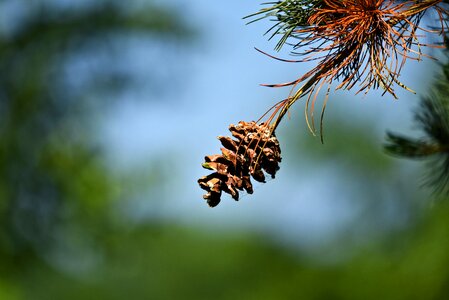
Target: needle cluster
360,44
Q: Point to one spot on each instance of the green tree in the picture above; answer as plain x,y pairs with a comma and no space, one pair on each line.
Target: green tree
53,179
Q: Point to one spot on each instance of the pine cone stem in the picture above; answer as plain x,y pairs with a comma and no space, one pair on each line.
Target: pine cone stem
307,88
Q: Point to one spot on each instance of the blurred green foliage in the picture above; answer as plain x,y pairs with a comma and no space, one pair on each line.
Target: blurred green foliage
60,240
55,188
161,262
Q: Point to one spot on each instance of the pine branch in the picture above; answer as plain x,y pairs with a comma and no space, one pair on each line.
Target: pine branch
360,44
433,118
410,148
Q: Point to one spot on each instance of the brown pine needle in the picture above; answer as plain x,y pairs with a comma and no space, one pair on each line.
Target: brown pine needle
363,43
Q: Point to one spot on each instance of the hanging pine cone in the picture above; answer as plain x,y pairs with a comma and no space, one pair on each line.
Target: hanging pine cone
255,148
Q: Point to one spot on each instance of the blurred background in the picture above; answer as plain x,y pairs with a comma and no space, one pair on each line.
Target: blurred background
107,109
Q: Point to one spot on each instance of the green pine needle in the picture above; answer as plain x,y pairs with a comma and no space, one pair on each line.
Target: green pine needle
433,118
289,15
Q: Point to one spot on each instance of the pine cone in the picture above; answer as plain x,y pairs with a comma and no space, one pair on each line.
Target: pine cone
254,150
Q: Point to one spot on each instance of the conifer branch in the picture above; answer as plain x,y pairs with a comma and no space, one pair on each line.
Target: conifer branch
358,42
361,44
432,118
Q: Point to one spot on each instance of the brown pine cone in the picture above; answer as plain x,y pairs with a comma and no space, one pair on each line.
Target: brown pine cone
254,150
